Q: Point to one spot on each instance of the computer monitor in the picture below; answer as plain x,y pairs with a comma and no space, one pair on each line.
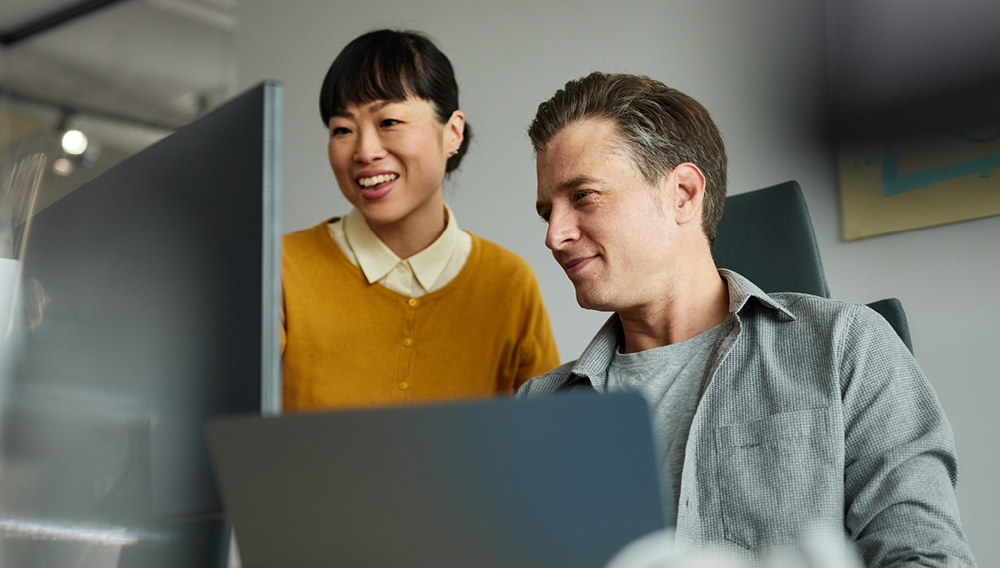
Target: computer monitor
151,299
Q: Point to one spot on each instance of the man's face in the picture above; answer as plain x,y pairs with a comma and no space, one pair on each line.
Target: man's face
606,228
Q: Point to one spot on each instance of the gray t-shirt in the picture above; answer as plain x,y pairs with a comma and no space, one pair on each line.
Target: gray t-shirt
671,379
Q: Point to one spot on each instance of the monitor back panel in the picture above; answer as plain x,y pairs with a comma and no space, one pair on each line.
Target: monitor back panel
150,304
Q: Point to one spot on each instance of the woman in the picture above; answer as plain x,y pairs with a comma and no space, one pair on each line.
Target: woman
393,303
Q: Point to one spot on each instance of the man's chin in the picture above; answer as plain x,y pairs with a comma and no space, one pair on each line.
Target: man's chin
590,301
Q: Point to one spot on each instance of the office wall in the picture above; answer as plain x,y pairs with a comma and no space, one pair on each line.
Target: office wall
759,67
910,54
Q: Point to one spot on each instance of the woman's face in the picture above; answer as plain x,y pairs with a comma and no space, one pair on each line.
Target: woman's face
389,158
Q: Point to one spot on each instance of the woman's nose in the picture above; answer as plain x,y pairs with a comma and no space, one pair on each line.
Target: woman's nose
369,148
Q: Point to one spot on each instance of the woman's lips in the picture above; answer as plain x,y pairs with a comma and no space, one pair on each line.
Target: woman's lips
378,191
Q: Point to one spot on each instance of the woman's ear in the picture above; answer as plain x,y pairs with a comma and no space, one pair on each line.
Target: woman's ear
454,131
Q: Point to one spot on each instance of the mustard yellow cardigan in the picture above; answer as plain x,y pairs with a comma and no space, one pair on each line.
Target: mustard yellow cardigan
348,343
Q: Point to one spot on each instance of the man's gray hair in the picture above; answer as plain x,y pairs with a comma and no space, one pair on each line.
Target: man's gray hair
661,128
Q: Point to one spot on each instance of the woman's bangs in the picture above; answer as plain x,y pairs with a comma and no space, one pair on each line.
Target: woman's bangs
378,77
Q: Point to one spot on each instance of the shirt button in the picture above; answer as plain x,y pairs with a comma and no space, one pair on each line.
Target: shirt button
404,385
412,302
407,342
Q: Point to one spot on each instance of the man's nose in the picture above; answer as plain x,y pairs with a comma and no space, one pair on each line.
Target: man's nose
369,147
562,230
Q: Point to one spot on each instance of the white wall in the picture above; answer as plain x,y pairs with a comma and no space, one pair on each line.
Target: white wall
759,67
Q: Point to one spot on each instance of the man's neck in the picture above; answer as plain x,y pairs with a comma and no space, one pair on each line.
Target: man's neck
695,304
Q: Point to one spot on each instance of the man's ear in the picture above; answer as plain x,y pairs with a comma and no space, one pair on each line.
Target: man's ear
689,193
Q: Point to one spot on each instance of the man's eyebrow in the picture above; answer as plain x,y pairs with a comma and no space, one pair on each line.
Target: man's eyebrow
577,182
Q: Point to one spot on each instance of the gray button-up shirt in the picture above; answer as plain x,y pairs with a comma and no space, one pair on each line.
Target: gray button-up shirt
814,414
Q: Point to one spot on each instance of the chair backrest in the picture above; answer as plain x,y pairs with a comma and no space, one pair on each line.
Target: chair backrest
892,310
767,236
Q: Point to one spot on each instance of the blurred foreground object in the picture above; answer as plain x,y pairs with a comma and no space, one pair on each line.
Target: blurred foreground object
913,112
814,550
18,191
17,200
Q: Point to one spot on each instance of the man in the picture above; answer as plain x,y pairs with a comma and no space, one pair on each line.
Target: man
772,413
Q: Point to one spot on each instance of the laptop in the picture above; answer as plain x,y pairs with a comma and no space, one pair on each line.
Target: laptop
561,481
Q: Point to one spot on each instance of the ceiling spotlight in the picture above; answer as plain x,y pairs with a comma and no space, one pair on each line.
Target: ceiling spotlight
74,142
62,167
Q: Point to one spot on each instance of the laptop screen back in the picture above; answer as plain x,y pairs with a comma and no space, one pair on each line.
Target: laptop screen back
561,481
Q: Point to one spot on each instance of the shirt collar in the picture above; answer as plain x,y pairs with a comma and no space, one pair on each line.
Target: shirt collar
376,259
595,359
741,290
593,362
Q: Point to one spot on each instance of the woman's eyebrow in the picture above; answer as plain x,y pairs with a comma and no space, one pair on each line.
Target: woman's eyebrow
375,107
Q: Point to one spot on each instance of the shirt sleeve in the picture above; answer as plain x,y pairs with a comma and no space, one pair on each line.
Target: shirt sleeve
900,467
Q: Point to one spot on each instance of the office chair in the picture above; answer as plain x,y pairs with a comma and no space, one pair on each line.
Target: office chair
767,236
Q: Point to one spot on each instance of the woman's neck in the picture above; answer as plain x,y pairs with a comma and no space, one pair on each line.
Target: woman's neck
415,232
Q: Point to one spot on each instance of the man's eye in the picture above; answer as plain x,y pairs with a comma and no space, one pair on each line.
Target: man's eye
578,195
545,215
389,122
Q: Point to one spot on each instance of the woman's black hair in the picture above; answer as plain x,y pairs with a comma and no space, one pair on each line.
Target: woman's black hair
389,65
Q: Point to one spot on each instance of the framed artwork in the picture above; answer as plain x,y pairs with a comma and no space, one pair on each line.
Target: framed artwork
899,185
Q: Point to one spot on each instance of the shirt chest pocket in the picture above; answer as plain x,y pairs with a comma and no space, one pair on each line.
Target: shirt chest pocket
778,476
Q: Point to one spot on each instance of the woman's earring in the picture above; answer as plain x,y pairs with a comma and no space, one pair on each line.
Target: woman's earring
453,152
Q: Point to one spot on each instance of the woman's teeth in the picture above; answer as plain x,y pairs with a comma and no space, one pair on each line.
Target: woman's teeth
375,180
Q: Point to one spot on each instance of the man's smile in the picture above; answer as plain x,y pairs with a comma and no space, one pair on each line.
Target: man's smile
574,265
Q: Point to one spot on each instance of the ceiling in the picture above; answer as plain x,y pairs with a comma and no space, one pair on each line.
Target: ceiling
18,13
127,72
157,61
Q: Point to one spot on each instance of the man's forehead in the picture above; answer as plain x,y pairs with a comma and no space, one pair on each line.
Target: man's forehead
584,134
577,152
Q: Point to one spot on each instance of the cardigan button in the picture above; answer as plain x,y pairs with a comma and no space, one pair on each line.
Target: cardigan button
404,385
407,342
412,302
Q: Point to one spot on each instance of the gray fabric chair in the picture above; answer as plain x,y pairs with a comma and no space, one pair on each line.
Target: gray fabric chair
892,310
767,236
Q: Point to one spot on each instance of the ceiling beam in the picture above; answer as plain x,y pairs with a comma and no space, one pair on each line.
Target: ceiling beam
15,96
53,19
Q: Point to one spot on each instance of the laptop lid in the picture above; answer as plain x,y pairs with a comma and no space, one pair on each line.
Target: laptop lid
550,482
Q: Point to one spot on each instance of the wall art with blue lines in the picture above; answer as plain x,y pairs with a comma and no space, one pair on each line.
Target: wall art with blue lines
900,185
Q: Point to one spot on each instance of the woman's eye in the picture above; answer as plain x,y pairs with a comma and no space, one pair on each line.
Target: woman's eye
389,122
339,131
